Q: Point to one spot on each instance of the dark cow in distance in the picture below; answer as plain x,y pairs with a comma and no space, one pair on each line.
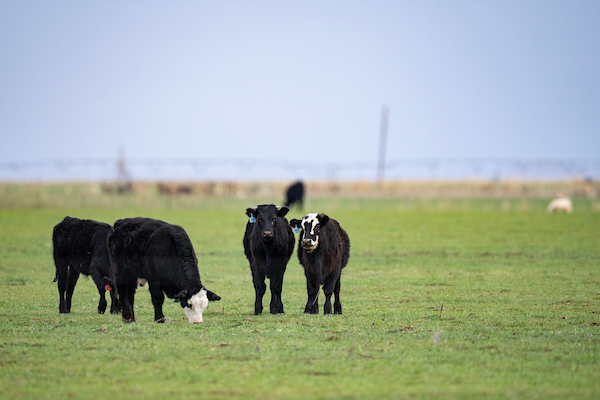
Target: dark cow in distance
323,250
295,195
161,254
80,248
268,245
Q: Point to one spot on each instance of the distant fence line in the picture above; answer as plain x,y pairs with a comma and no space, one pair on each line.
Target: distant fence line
106,169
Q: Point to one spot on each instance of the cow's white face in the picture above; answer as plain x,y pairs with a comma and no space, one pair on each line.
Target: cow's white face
197,303
310,224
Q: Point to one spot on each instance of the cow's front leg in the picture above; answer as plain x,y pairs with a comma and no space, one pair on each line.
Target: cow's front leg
115,303
158,299
258,278
312,288
101,291
328,288
102,302
276,285
127,296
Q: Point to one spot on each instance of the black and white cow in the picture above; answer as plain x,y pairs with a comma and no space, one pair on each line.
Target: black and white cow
80,248
144,249
295,195
268,245
323,250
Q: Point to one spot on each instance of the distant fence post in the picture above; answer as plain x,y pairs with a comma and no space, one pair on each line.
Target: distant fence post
383,128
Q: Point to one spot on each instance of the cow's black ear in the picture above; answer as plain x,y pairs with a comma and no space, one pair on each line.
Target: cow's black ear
323,219
295,223
282,211
250,210
182,295
108,280
212,296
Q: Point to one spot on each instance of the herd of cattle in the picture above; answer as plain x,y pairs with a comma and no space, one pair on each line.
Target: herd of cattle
139,251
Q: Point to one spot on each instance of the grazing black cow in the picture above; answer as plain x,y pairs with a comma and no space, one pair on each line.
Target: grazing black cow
161,254
268,244
323,250
295,194
80,248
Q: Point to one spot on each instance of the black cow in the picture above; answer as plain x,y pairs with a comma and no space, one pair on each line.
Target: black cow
323,250
268,244
295,194
80,248
162,254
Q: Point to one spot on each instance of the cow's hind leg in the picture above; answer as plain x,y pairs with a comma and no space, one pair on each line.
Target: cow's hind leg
62,276
337,305
73,275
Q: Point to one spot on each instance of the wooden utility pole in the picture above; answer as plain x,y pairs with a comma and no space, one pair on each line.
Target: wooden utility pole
383,128
123,176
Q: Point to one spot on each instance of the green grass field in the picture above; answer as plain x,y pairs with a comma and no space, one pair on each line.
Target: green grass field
442,299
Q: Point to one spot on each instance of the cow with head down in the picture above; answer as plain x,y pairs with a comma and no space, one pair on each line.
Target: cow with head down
144,249
268,245
80,248
323,250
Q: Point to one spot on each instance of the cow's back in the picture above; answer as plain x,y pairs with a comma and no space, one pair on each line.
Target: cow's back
171,259
78,240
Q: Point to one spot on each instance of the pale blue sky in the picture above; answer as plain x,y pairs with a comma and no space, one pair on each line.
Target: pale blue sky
298,81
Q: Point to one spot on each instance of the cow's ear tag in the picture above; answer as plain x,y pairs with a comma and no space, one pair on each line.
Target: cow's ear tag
176,300
252,219
296,229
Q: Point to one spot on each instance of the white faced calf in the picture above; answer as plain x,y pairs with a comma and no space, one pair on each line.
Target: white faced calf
195,306
323,250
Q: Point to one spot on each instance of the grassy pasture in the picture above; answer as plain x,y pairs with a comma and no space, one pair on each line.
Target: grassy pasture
442,298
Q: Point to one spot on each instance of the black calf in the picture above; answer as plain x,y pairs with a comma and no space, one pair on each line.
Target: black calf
268,244
80,248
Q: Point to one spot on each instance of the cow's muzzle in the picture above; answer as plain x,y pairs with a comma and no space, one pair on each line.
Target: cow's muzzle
309,244
267,235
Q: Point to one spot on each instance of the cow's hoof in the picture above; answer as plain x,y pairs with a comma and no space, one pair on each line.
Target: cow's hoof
128,320
100,311
160,321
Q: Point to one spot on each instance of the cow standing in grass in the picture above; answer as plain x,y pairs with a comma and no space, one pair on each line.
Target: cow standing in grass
268,244
295,195
143,249
80,248
323,250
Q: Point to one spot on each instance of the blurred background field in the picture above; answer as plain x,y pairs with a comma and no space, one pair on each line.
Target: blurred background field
471,194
